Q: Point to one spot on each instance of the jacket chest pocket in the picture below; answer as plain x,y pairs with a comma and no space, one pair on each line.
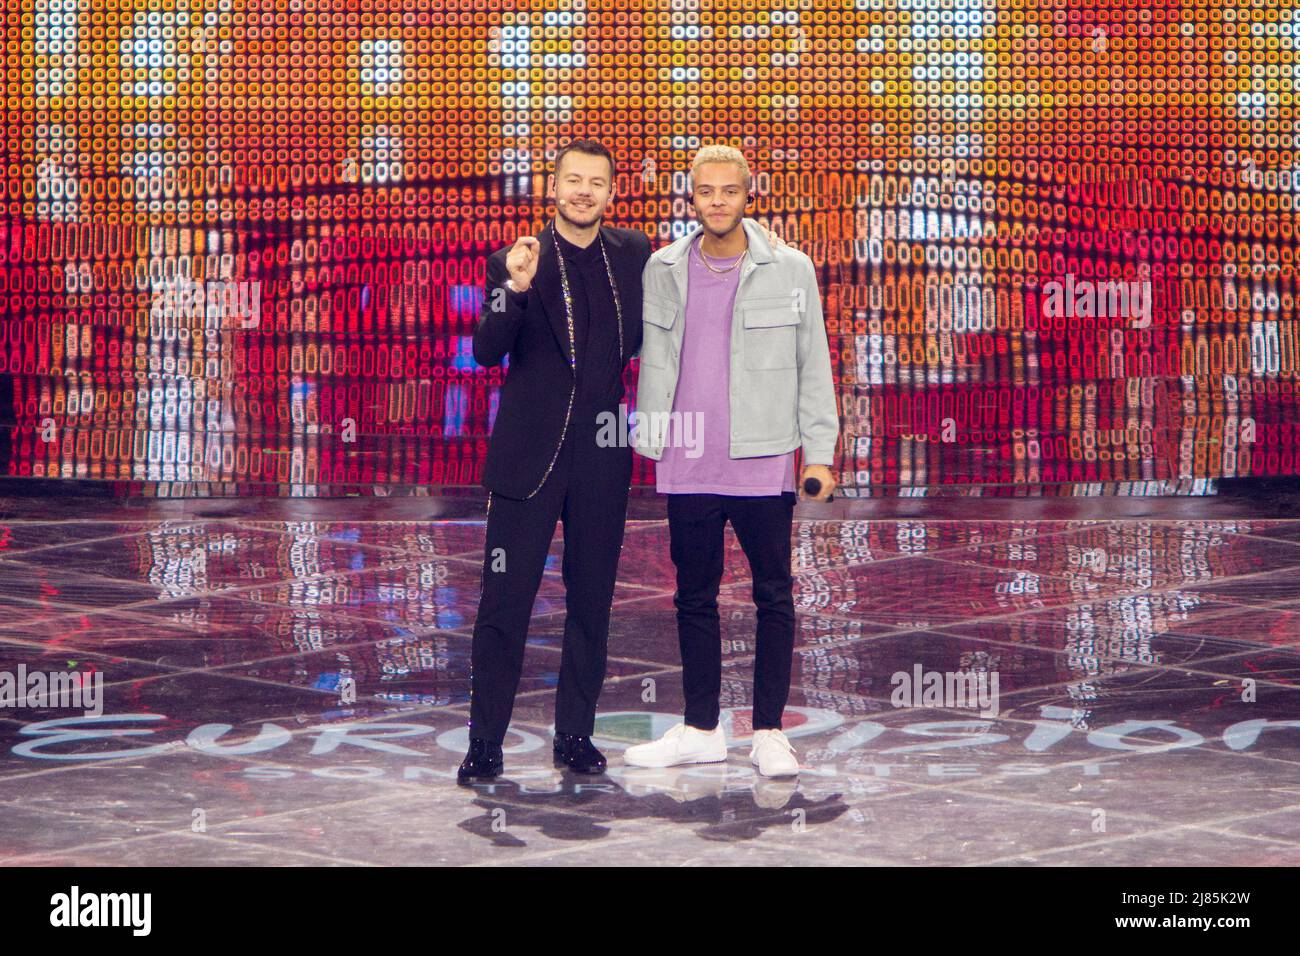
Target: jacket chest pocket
771,325
656,331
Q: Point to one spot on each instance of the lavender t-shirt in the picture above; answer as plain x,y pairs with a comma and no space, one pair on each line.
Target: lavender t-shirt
697,454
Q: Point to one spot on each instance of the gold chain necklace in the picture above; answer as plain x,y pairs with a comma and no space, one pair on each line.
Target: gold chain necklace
699,251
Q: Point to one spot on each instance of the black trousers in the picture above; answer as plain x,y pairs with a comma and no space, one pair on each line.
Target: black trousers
587,490
762,524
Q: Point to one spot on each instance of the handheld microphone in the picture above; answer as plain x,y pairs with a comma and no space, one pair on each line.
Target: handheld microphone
812,487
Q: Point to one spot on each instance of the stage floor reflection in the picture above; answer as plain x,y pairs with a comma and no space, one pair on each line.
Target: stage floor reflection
290,691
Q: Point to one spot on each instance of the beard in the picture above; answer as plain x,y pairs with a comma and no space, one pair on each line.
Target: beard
574,218
721,226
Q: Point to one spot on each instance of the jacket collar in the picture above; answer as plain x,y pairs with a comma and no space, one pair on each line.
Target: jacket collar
759,249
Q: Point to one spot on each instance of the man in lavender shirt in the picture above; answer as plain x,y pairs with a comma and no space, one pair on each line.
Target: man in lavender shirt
726,452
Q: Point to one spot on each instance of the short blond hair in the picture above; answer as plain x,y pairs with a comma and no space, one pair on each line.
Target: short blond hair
718,153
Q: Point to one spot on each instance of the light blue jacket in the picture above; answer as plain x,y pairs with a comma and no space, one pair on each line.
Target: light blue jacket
782,394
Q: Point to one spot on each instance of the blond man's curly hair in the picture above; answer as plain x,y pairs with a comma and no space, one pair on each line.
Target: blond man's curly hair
717,153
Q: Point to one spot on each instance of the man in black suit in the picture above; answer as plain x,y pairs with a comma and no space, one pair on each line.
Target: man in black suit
566,306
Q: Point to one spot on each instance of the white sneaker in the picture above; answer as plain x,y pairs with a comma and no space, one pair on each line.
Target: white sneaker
772,754
680,745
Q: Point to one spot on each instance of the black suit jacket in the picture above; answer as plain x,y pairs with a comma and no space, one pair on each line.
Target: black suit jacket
535,396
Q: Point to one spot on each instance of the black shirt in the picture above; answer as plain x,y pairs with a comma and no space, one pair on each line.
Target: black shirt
595,326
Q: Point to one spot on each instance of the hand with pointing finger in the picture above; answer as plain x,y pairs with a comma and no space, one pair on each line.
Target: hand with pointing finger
521,261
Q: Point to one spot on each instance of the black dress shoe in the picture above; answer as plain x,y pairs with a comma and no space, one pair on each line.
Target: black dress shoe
578,754
483,762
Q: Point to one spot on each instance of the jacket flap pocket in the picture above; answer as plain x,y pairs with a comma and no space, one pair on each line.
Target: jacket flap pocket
767,313
658,311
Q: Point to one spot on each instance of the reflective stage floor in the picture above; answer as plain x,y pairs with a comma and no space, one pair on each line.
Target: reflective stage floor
287,683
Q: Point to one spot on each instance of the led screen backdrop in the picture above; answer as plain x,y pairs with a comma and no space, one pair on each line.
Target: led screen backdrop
243,241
